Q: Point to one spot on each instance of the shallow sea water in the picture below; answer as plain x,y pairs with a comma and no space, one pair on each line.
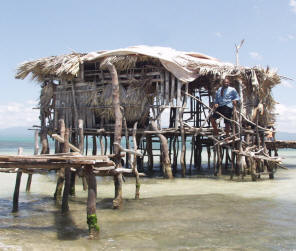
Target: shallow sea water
183,214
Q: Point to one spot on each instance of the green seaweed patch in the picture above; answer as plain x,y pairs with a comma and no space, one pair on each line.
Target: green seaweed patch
92,222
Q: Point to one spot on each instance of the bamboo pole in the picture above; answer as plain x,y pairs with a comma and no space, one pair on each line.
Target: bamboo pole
17,186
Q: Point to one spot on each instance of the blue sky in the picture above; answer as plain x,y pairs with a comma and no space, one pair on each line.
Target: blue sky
34,29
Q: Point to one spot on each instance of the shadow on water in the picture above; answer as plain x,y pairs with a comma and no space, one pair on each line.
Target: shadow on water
65,226
34,215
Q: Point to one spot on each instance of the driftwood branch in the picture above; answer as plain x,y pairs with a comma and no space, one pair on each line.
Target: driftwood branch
61,140
128,150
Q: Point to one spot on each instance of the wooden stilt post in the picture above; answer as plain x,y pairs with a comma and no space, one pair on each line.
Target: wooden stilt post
181,110
80,135
149,153
209,157
17,186
191,154
66,149
239,156
233,146
91,203
102,147
95,148
127,144
166,163
117,202
43,136
86,144
174,155
81,148
134,166
219,160
215,159
226,159
61,172
198,153
36,148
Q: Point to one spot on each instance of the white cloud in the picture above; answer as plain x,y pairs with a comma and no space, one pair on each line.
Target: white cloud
287,83
17,114
218,34
293,5
286,118
255,55
287,37
290,36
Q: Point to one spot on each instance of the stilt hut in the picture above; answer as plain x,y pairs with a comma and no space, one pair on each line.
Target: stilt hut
109,94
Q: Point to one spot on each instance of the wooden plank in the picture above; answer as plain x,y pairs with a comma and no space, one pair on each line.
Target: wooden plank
49,166
281,144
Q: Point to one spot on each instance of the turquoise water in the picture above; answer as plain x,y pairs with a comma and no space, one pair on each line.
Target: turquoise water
183,214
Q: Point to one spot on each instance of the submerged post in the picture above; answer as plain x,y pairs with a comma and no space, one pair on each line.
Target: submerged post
66,149
36,149
17,186
91,217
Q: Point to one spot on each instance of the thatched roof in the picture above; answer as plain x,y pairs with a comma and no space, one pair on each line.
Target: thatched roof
186,66
60,67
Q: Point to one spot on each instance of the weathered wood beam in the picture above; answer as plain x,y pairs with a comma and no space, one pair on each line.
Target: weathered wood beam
166,163
117,202
61,140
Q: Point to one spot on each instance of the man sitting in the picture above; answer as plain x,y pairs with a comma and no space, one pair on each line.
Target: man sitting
226,98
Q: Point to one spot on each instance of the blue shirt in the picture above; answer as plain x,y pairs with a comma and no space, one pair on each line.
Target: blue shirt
229,95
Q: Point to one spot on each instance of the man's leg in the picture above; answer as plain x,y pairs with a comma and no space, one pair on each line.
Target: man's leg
227,114
214,124
227,129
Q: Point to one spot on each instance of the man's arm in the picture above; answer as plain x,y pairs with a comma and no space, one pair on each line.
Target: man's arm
216,100
235,97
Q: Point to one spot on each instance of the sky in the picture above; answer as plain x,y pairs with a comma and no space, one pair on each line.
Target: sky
33,29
